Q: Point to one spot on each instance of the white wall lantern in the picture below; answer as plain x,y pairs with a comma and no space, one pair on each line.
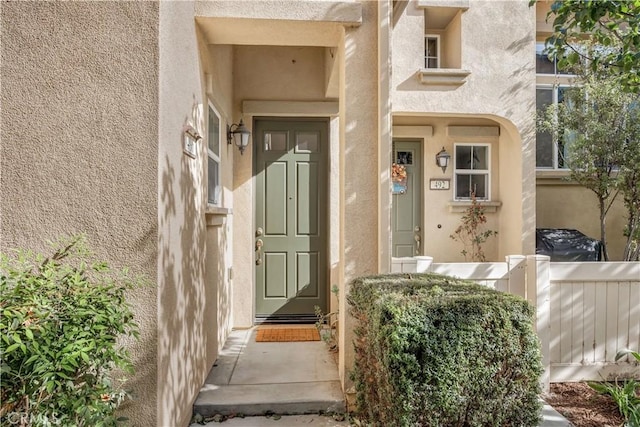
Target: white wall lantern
442,159
238,134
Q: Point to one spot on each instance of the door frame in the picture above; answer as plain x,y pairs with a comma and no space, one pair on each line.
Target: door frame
324,212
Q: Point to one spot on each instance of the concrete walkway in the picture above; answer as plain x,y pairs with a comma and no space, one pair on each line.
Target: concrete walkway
254,378
299,379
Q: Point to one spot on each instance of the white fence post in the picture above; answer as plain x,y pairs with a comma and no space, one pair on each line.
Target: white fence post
423,263
517,274
538,284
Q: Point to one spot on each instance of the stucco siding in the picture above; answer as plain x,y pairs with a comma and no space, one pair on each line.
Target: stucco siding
360,179
79,145
568,205
193,259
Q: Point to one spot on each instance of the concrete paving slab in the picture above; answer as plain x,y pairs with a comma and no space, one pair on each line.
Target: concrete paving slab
228,357
552,418
259,399
276,363
253,378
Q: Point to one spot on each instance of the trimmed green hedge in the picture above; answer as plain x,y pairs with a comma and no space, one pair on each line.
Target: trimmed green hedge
431,350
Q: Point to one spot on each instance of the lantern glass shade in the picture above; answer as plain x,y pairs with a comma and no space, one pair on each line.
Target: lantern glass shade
240,136
442,159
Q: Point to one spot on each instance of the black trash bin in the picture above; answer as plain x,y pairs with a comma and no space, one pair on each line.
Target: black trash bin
565,244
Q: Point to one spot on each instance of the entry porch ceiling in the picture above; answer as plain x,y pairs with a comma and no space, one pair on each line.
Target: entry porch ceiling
276,23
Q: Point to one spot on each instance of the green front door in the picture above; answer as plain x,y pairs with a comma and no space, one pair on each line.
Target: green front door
291,217
406,213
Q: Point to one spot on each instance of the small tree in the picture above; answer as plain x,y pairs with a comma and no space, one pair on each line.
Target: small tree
629,185
614,25
596,128
471,232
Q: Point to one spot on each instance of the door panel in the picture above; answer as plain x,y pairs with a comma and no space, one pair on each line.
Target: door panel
290,208
275,208
406,213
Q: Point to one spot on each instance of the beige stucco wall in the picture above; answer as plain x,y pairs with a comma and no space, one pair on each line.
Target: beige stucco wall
497,41
562,204
194,260
79,138
359,173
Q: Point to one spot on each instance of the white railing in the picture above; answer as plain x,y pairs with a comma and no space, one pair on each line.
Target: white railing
586,312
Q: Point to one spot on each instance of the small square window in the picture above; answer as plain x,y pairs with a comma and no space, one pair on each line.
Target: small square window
275,141
307,142
472,171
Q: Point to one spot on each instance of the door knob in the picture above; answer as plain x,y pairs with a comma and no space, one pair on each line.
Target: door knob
259,232
416,229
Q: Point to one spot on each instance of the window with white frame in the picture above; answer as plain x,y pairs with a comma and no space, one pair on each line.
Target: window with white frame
213,157
550,154
472,171
546,64
431,51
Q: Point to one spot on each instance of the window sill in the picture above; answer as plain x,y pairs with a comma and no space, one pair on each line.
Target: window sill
459,206
553,177
442,76
216,216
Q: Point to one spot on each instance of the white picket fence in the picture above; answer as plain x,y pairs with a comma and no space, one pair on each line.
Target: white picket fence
586,311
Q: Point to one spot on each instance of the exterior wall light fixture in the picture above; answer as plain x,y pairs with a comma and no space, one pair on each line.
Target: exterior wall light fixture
442,159
238,134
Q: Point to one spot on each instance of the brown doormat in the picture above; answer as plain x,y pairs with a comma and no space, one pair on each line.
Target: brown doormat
267,334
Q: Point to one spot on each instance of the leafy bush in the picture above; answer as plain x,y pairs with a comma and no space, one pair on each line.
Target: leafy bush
436,351
626,395
61,317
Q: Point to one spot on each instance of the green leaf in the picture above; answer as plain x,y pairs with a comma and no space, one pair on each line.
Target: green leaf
11,348
29,333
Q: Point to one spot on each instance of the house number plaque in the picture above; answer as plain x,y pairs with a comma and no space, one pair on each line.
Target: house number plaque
439,184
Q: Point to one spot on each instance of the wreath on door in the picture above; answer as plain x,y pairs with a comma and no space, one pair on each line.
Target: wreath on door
398,178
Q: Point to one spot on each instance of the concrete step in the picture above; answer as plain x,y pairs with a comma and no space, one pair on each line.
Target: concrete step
260,399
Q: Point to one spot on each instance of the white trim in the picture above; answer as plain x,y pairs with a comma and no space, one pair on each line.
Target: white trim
554,144
426,51
457,171
595,271
211,155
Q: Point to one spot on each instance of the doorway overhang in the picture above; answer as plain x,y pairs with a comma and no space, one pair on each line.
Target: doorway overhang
276,23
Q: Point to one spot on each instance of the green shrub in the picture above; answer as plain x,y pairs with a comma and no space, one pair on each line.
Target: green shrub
61,317
435,351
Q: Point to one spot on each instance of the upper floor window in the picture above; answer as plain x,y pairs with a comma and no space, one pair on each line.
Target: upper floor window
544,64
431,51
472,171
443,37
213,157
550,154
